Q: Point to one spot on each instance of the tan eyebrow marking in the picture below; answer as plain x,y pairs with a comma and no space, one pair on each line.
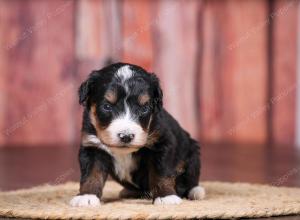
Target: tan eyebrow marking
111,96
143,99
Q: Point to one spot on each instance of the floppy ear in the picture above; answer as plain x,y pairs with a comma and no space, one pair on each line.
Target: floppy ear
85,88
157,92
83,92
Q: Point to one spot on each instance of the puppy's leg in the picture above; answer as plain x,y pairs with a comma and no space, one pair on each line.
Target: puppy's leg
163,189
93,177
187,183
127,193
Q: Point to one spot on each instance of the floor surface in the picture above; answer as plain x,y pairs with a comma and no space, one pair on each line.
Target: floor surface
280,166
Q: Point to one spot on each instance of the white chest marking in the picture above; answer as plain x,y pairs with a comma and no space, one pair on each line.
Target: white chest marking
124,164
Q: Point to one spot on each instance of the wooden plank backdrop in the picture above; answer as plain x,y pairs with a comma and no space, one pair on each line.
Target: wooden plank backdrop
137,43
39,55
227,68
233,71
175,52
284,71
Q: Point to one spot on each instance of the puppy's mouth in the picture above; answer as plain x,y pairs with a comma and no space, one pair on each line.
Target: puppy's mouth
123,148
126,146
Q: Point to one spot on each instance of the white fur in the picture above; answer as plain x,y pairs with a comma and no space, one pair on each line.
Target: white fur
124,164
124,73
126,124
196,193
92,140
87,200
168,200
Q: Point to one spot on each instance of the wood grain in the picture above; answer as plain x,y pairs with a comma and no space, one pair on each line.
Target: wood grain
175,44
137,36
284,63
98,31
6,13
234,71
39,65
227,68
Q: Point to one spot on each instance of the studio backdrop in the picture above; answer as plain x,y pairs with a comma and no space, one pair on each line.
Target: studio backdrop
228,68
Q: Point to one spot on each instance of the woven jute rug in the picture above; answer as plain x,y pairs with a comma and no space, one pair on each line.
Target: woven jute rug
223,200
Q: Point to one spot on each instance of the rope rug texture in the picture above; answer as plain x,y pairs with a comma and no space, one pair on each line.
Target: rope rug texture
222,201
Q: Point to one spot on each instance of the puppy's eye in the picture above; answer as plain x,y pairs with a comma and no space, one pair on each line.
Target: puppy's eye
107,107
145,109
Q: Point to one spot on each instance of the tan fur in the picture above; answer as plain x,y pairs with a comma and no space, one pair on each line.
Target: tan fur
111,96
152,138
94,183
143,99
180,168
161,186
101,133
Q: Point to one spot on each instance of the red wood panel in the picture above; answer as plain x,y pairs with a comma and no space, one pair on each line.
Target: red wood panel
92,47
98,31
5,14
175,43
211,52
89,32
137,37
233,71
39,60
98,38
284,66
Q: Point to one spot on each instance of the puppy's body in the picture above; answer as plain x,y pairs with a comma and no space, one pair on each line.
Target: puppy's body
134,140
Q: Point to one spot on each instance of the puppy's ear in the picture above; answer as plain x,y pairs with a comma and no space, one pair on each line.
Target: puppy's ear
157,93
83,92
85,89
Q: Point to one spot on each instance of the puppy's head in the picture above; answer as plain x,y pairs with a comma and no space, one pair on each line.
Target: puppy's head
122,100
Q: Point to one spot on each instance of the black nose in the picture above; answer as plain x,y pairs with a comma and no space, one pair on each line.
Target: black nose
126,138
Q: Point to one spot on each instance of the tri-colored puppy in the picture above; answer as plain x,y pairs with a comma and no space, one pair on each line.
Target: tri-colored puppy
126,133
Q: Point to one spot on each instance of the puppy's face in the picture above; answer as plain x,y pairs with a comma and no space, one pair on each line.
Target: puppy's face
122,100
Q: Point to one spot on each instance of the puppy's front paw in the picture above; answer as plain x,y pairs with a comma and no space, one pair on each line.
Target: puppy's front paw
196,193
87,200
167,200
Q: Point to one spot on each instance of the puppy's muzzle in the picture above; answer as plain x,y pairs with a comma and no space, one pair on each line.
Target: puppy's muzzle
125,137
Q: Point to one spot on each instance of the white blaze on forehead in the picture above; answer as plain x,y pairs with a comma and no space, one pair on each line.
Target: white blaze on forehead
124,73
126,124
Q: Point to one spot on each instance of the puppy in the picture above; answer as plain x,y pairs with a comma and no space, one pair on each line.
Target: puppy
127,134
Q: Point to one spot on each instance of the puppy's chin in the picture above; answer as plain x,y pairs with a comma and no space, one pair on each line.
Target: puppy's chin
117,148
123,150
